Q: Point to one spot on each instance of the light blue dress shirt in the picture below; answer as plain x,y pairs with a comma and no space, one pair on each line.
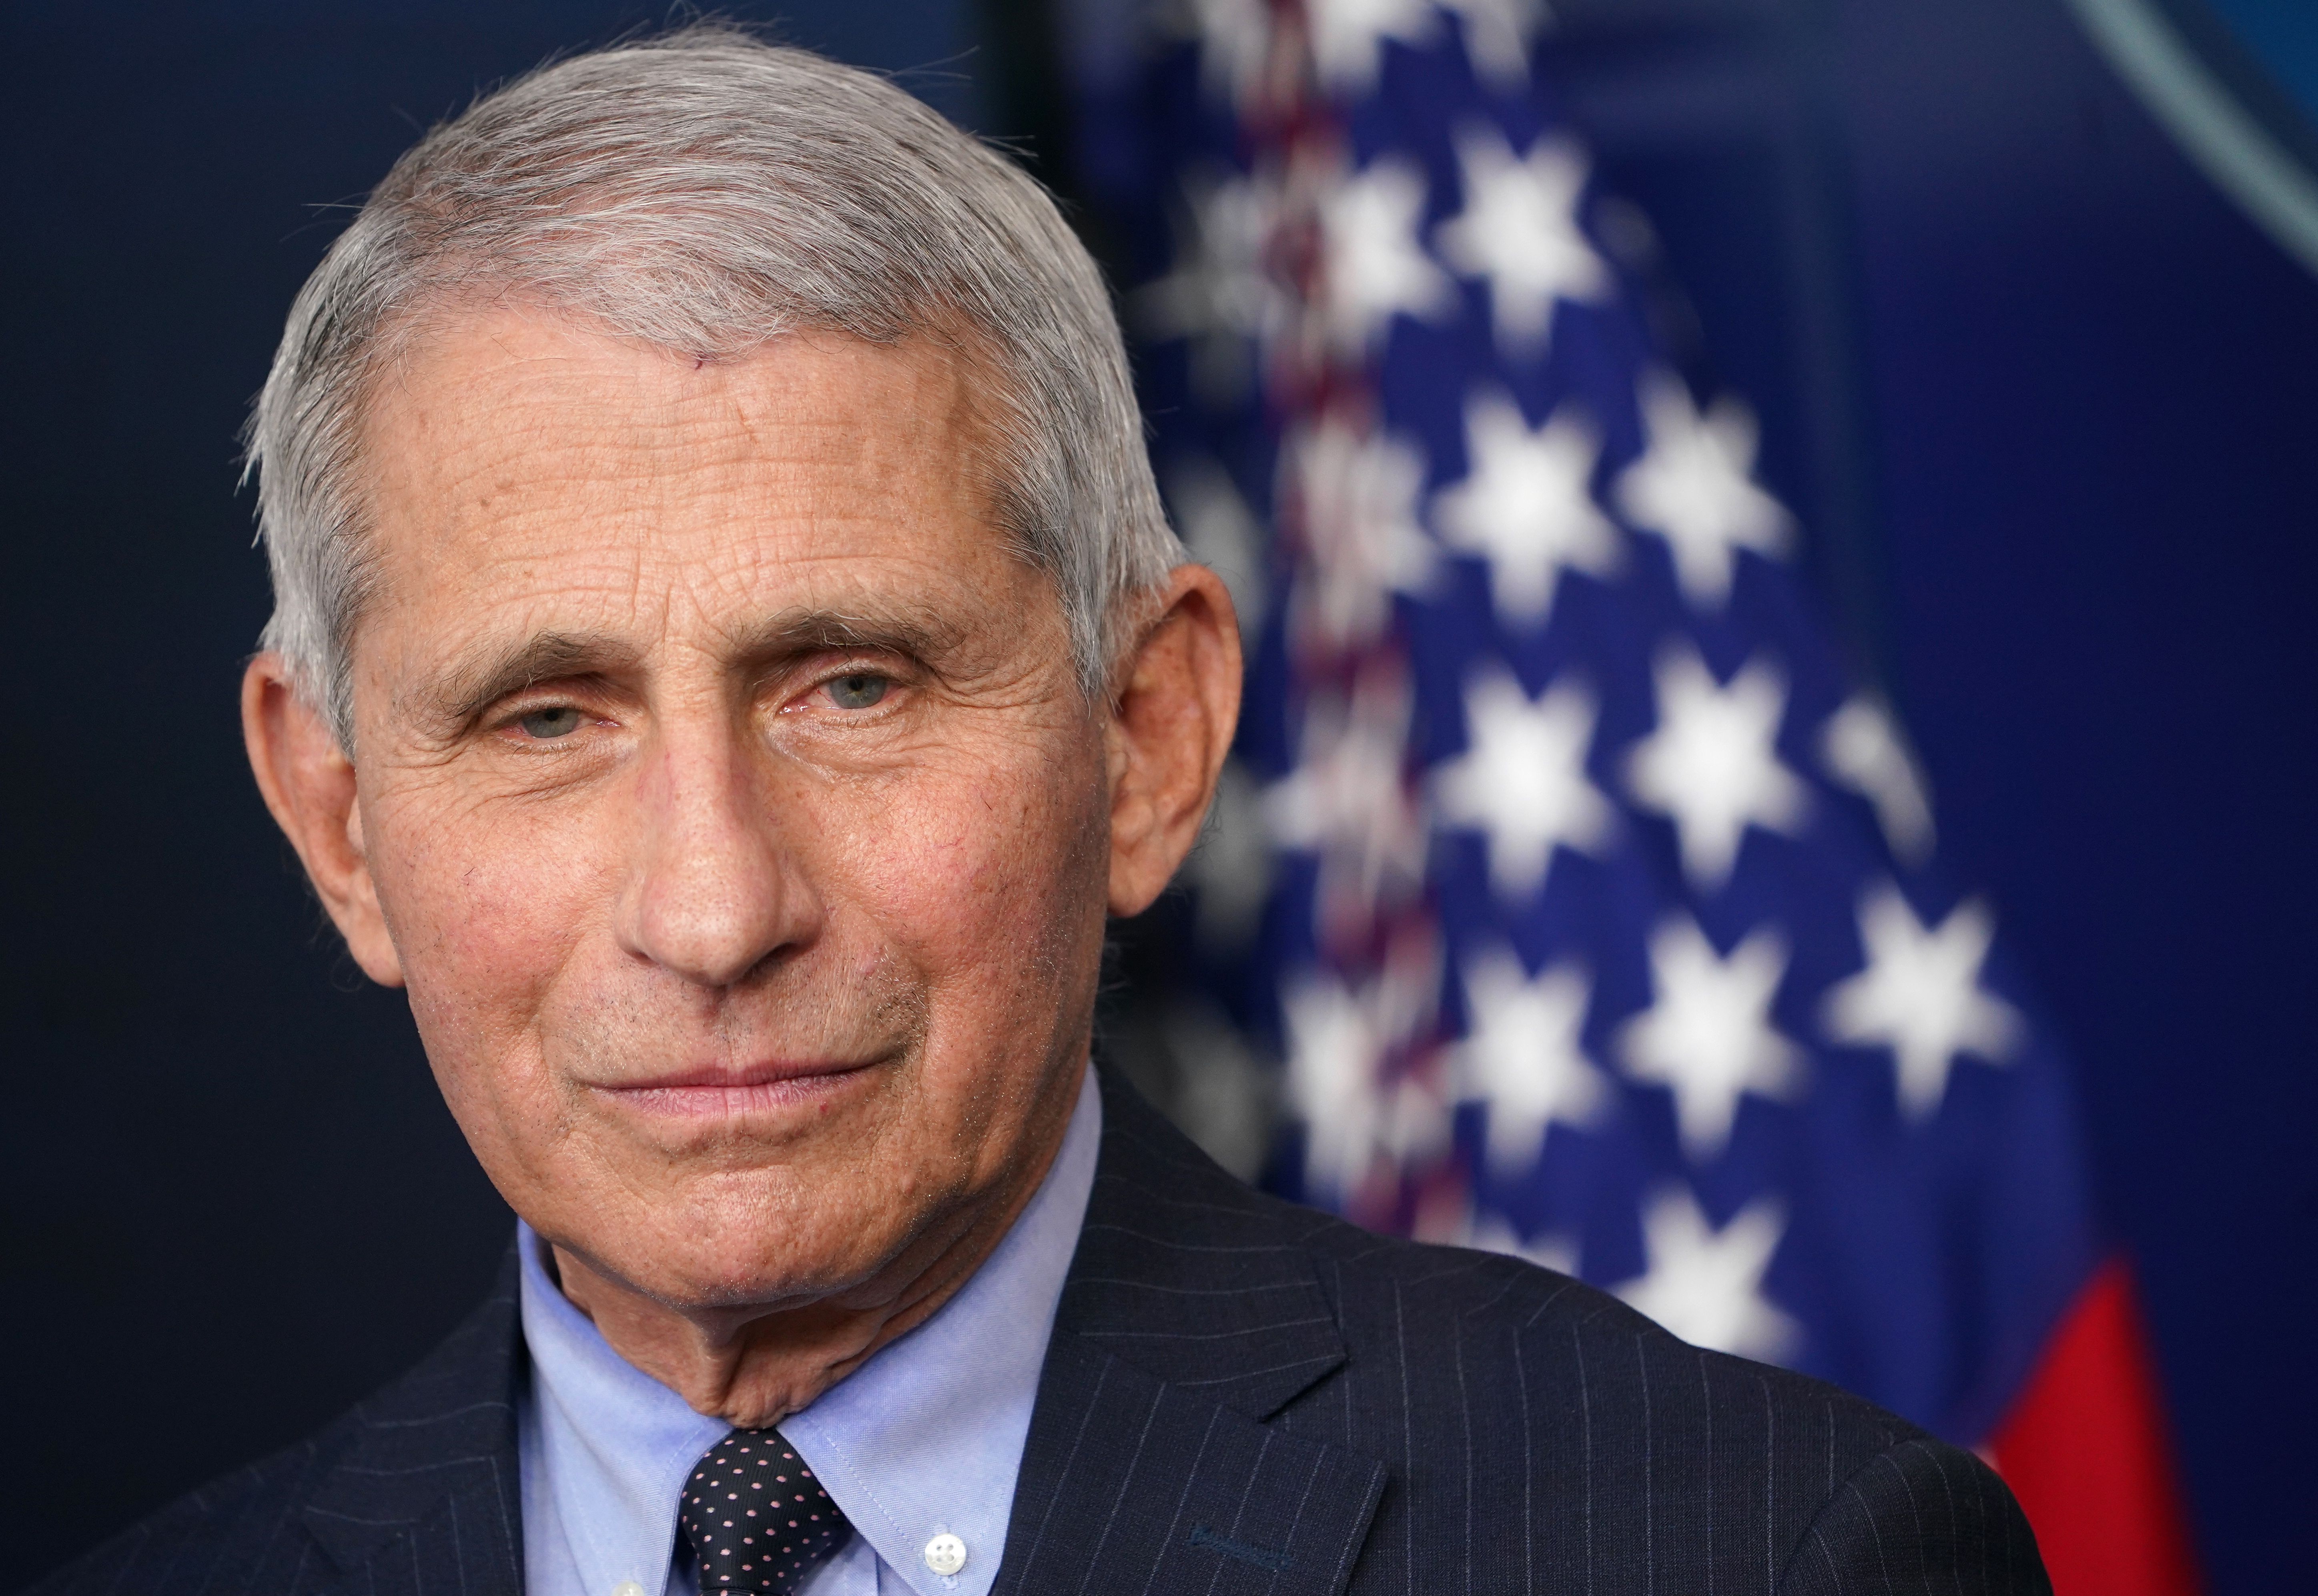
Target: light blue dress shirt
923,1439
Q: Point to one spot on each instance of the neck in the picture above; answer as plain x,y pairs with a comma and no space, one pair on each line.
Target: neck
754,1367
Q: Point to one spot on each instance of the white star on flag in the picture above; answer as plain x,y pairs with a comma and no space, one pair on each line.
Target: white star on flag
1335,1053
1347,800
1491,1234
1358,495
1374,268
1496,38
1222,533
1221,294
1713,762
1348,36
1526,505
1521,1056
1705,1285
1519,232
1521,779
1863,748
1339,1041
1235,45
1694,487
1921,996
1707,1034
1416,1126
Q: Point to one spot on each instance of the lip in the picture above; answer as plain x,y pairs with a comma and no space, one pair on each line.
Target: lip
719,1092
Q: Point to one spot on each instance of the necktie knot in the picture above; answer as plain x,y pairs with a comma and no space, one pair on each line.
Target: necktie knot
756,1518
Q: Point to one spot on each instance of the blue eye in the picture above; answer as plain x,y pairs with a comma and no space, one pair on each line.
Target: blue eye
548,724
859,691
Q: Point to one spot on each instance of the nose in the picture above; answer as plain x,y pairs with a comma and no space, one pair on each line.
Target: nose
713,894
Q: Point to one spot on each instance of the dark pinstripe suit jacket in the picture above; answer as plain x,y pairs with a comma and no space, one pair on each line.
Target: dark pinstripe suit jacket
1241,1396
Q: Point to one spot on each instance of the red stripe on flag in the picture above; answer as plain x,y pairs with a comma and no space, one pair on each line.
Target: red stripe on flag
2085,1449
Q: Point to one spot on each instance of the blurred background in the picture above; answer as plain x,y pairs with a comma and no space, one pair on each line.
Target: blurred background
2021,295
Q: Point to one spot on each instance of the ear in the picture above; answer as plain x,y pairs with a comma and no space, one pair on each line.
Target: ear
309,785
1170,726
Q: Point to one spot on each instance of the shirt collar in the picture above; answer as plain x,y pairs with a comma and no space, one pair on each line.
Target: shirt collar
923,1439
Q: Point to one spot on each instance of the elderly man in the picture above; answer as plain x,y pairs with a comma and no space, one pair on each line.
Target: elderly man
729,660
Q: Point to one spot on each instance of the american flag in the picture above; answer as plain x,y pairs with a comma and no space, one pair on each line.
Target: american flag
1597,915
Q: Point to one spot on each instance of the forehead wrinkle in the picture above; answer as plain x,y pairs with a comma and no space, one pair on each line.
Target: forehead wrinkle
575,415
655,456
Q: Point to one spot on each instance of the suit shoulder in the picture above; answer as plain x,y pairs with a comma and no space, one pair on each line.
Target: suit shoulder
1443,1321
1528,1421
1919,1511
1509,1394
1507,1322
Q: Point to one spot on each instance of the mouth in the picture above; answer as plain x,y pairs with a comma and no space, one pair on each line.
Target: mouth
718,1092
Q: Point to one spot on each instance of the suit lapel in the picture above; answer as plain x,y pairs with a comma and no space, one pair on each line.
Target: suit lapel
1191,1315
426,1500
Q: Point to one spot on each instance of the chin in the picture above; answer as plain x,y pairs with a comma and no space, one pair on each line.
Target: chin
755,1255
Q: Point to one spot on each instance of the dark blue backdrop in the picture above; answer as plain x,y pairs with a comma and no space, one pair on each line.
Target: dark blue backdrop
2046,400
2095,391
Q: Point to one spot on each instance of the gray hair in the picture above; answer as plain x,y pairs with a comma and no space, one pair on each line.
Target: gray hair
704,192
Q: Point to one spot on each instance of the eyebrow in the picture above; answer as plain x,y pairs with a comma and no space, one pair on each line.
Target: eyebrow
917,631
459,697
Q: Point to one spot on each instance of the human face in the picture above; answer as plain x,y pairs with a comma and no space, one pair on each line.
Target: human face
728,798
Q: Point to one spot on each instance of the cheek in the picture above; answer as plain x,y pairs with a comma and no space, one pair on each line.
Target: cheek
993,878
484,903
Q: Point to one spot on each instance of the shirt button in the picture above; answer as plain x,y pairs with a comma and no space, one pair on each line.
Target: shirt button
628,1588
945,1554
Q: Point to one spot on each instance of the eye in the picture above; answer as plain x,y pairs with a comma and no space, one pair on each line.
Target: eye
860,690
548,724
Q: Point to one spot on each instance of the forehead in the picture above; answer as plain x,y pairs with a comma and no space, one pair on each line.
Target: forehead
522,471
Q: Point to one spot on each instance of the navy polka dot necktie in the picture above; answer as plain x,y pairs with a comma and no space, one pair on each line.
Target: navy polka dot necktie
757,1519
